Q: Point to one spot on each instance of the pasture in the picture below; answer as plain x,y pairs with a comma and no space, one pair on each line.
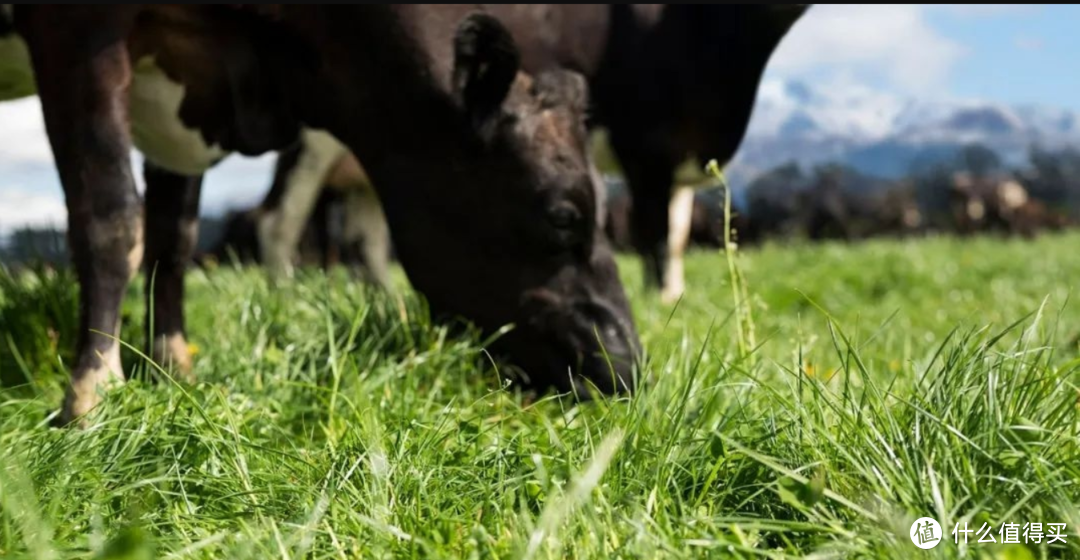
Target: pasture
881,382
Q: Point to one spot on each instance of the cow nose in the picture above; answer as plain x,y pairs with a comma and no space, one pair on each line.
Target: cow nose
610,350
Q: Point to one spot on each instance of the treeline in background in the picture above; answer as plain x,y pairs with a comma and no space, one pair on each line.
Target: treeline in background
972,193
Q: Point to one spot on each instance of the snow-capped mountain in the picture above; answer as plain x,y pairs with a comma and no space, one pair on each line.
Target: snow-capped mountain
885,135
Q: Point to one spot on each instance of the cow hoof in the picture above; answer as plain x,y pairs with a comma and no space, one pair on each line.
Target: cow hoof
67,419
172,353
84,394
669,296
74,411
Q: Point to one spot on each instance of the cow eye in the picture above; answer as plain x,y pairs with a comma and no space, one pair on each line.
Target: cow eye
565,222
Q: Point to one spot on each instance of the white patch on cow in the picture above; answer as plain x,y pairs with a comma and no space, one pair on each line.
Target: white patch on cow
153,110
156,128
1012,195
680,213
138,247
976,210
86,387
280,229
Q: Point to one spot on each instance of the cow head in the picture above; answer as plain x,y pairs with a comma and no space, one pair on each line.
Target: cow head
511,234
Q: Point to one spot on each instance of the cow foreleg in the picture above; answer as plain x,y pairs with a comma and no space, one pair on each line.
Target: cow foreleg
82,82
649,181
172,229
280,228
680,214
366,224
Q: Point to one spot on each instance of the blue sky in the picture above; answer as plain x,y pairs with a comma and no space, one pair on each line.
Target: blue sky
1023,55
1008,53
1001,53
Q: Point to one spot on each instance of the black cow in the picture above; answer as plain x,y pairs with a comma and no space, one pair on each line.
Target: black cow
482,170
674,85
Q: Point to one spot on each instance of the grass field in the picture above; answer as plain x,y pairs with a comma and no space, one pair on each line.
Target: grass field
882,382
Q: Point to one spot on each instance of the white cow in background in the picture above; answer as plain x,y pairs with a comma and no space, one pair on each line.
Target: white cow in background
323,162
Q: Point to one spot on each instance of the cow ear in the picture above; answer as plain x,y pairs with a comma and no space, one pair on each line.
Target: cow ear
486,62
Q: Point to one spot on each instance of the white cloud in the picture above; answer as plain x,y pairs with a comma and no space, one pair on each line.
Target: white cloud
19,208
23,139
890,43
773,107
1027,43
866,112
840,104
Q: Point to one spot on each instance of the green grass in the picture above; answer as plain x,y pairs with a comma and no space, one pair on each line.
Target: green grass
890,381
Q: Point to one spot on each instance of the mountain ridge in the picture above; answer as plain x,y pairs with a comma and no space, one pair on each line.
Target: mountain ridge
885,135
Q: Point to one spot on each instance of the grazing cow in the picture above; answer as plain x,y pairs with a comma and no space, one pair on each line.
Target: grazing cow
674,85
482,170
896,212
300,204
967,203
991,203
843,203
1036,215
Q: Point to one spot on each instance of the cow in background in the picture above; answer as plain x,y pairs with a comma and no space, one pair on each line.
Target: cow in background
319,191
997,203
704,226
235,236
323,162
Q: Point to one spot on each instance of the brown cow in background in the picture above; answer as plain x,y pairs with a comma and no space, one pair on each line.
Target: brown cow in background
998,203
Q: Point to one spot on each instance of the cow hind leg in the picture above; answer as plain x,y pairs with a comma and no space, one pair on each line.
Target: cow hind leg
280,228
680,212
82,87
322,220
366,225
172,228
